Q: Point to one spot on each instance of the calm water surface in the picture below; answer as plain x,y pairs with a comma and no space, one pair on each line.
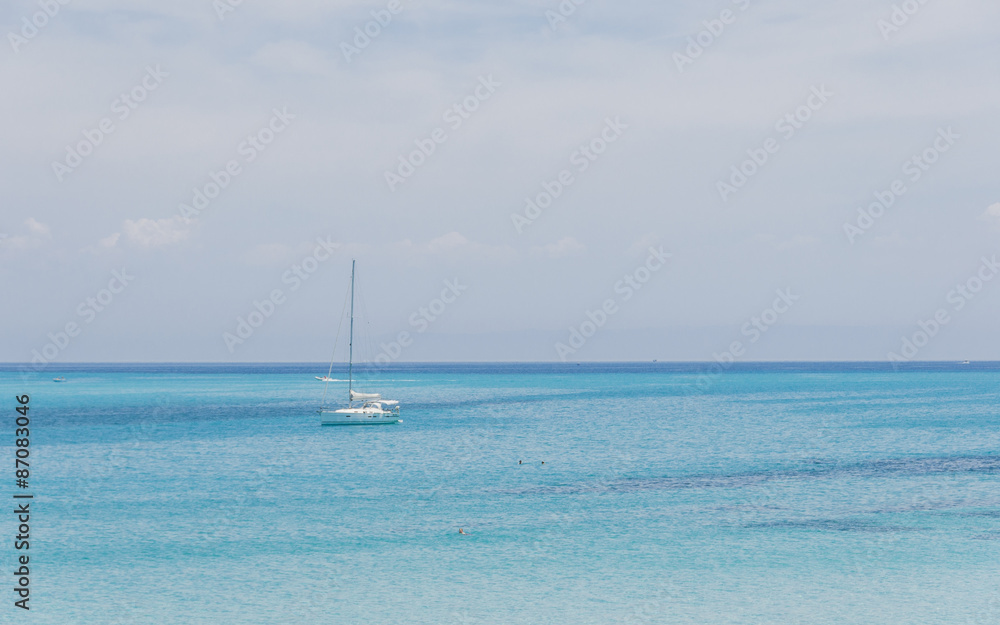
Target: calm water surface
843,493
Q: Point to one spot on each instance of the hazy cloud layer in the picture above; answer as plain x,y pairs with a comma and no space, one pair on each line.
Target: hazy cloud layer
279,123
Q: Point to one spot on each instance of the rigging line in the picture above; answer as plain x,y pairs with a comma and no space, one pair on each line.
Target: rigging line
333,356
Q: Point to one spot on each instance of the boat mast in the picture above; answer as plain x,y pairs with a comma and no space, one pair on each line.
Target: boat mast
350,357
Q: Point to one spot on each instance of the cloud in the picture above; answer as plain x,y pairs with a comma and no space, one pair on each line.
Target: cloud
107,243
20,242
993,212
566,246
37,228
149,233
37,231
447,243
144,233
110,241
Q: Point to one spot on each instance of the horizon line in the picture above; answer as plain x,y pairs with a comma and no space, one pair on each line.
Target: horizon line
486,362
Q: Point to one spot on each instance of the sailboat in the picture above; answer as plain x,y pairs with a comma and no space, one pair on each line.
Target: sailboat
362,408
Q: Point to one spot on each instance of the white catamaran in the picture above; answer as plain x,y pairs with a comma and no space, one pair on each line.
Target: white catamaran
362,408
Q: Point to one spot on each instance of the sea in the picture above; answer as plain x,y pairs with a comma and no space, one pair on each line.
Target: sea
632,493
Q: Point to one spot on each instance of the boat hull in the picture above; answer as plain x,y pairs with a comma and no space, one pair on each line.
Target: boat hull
339,418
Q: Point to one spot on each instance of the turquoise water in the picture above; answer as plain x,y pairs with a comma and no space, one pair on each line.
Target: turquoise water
769,494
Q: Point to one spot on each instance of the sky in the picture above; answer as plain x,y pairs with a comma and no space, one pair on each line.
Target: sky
518,181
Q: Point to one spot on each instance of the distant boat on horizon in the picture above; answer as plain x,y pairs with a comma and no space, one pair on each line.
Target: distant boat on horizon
373,410
59,379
